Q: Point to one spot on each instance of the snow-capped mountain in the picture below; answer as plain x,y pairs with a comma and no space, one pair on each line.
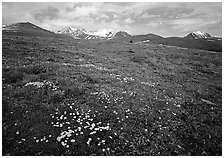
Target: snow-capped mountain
198,35
4,26
101,33
84,34
76,33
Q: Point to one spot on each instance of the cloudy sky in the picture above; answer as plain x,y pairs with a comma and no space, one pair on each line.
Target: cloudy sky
162,18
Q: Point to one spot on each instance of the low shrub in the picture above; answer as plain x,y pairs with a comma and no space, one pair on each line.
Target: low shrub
51,60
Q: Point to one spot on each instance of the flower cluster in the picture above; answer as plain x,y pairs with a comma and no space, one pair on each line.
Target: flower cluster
50,84
77,126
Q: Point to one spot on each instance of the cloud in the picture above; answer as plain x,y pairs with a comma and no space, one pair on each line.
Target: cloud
128,21
154,24
188,25
49,13
167,19
115,15
146,15
105,16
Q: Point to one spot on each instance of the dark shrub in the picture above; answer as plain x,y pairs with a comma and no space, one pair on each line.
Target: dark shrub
51,60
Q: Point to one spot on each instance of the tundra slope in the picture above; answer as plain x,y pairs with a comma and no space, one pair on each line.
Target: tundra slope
83,97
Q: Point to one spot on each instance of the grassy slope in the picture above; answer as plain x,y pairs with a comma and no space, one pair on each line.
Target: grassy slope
140,99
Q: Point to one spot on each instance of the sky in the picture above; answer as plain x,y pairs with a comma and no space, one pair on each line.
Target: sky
162,18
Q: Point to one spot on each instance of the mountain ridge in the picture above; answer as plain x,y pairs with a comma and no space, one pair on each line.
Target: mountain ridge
198,35
196,40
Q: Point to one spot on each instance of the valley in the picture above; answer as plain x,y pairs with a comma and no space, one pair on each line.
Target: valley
66,96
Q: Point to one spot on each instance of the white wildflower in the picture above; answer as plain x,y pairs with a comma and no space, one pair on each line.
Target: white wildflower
72,140
89,140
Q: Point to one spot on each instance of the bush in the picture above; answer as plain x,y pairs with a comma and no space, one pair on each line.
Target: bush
51,60
131,51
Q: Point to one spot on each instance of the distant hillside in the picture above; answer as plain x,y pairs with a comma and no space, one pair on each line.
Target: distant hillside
29,29
212,45
208,43
196,40
150,37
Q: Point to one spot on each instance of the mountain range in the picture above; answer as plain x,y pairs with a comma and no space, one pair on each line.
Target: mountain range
198,39
91,35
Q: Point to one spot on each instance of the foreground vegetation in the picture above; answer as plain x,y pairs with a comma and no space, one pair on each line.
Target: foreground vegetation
65,97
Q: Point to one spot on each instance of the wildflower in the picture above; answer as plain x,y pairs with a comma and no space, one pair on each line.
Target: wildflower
93,125
72,140
92,132
62,143
103,141
89,140
69,135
